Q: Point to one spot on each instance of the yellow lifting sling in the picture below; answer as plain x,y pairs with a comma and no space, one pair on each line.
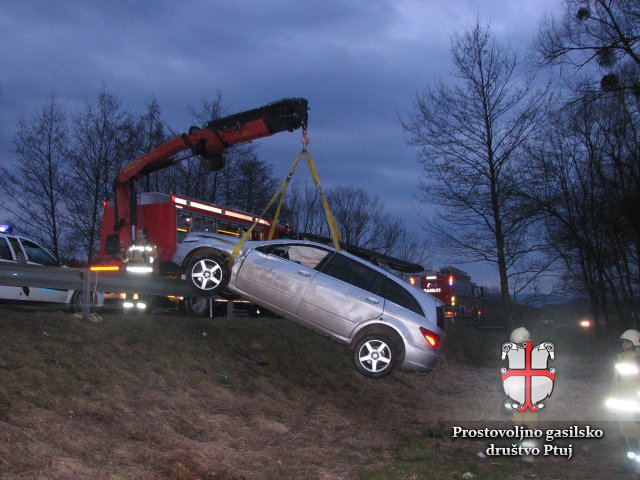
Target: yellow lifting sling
280,195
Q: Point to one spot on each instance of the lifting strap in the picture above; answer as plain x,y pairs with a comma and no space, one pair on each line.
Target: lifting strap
280,195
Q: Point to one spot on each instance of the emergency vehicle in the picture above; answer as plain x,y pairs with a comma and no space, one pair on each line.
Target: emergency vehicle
17,249
168,218
462,298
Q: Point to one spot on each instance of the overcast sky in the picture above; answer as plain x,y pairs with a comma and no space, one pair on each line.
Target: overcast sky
359,63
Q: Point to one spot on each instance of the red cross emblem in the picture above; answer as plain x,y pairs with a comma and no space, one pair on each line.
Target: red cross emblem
528,380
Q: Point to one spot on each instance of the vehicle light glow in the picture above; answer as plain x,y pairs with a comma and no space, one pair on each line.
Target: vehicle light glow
622,405
626,369
585,323
6,228
228,232
207,208
104,268
412,281
139,269
433,339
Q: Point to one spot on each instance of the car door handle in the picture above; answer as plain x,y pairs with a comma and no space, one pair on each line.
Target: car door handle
375,301
304,273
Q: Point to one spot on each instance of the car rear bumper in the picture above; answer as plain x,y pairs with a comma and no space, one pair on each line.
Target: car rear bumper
419,358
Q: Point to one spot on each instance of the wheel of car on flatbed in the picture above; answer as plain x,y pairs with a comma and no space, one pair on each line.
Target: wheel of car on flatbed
197,307
207,274
375,355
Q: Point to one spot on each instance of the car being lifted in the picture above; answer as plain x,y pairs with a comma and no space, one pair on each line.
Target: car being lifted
386,322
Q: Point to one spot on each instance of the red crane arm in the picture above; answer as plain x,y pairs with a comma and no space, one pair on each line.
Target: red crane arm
209,142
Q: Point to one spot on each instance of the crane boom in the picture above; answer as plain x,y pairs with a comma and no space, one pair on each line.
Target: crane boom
208,142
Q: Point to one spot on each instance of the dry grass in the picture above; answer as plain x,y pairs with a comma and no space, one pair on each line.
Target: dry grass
164,397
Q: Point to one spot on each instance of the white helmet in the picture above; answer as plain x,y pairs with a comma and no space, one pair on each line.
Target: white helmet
633,336
520,335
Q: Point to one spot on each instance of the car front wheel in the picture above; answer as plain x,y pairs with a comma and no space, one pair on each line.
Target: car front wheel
375,356
208,274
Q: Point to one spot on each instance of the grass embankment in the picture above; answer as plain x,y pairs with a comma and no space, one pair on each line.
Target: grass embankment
169,397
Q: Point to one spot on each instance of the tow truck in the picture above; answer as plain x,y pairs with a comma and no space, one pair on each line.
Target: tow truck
168,217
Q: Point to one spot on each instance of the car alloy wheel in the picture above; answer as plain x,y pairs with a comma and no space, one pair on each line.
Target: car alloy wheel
208,274
375,356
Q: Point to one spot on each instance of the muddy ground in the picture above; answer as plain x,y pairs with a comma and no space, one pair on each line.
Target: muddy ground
170,397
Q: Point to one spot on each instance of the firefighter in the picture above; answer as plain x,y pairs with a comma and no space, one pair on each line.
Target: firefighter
142,255
141,258
624,400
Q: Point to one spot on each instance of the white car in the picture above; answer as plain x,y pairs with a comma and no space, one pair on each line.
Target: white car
18,249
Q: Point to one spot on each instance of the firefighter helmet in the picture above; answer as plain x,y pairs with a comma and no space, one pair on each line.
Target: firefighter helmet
633,336
520,335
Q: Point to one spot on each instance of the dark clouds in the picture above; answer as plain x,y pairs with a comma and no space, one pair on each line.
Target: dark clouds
359,63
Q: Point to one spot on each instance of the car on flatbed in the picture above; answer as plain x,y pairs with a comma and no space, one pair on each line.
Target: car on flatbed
386,322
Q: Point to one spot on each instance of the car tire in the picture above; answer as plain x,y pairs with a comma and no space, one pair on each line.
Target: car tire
227,295
197,307
208,274
76,303
375,356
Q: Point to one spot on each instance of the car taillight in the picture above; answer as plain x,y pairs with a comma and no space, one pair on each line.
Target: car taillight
432,339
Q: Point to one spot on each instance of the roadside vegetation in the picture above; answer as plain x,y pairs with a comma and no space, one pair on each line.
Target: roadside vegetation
171,397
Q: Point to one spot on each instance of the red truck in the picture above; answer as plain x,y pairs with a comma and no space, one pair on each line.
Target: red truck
167,218
462,298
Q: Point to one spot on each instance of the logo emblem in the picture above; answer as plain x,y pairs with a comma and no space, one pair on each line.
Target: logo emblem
528,380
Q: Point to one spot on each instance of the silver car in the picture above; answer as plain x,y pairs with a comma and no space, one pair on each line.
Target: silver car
385,321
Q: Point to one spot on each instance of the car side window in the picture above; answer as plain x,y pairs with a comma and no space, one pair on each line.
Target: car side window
349,271
37,254
5,251
306,255
399,295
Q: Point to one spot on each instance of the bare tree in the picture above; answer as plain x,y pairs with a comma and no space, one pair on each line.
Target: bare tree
470,131
603,33
96,155
35,185
360,217
143,134
253,185
584,176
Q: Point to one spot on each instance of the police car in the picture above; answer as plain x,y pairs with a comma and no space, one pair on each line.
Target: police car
17,249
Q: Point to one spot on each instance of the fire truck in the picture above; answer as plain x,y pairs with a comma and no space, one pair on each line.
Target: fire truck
462,298
168,218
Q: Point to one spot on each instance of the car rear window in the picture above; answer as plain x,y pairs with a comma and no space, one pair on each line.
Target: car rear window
37,254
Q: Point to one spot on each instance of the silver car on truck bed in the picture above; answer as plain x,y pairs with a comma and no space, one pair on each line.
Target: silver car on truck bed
384,320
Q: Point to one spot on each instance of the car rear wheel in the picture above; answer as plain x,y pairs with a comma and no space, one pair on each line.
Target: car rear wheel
197,307
77,302
208,274
375,356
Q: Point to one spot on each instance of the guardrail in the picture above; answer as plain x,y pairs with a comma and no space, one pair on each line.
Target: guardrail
63,278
